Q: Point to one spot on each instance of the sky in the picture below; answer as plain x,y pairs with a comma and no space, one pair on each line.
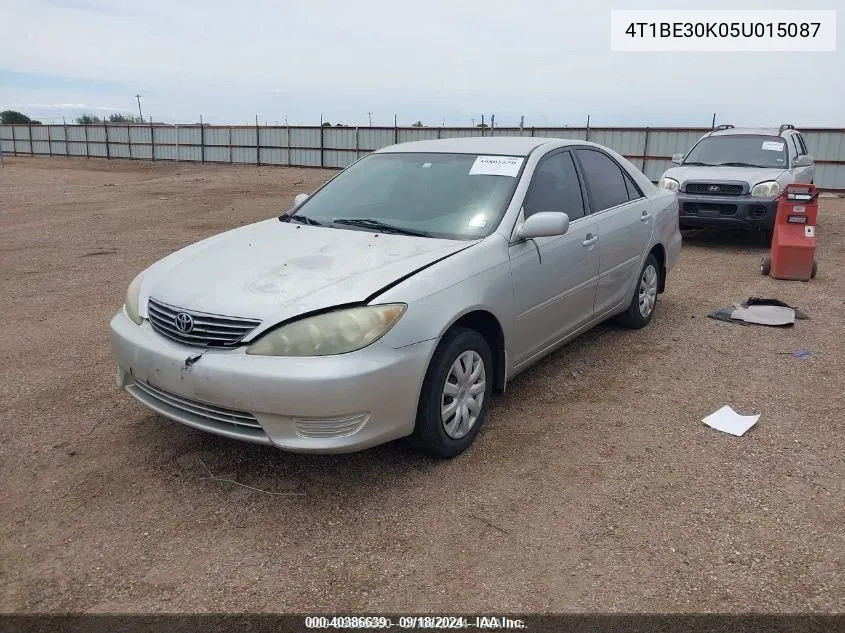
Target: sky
436,61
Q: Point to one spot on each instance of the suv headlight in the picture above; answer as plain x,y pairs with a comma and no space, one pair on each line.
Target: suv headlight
332,333
133,298
669,184
768,189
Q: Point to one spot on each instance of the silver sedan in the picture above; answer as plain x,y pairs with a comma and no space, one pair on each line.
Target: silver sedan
394,300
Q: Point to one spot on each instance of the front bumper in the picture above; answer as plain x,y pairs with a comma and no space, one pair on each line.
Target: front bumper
329,404
727,211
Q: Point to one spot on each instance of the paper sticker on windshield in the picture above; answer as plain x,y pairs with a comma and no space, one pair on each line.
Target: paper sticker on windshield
773,146
479,221
496,166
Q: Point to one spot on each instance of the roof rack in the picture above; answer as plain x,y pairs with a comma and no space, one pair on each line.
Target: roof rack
724,126
785,126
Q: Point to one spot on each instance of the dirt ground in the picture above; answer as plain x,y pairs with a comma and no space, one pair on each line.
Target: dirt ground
593,487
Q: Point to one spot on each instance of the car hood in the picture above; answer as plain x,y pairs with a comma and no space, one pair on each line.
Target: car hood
751,175
274,270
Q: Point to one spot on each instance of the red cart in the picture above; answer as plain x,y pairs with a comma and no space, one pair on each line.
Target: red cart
794,240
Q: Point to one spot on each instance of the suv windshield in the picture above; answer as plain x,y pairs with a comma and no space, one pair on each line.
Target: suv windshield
453,196
740,150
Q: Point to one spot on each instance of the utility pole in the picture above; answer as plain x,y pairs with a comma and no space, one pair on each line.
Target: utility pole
521,123
370,116
140,114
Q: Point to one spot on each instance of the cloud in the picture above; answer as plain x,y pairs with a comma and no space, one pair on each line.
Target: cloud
68,106
449,59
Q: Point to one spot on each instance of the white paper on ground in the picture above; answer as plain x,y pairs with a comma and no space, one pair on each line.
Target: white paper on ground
729,421
772,146
496,166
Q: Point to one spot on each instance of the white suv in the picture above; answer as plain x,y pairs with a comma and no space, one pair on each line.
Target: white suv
732,176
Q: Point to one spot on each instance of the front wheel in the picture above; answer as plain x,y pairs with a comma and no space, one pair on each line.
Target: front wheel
641,309
455,394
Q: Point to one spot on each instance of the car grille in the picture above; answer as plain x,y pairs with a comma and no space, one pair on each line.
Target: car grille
707,188
201,415
205,330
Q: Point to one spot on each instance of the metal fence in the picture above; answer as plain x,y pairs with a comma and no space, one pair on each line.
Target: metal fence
650,149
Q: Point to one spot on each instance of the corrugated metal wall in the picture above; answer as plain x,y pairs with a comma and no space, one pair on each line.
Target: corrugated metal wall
650,149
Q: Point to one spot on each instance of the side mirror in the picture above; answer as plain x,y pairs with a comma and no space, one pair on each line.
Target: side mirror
804,161
677,158
299,199
545,224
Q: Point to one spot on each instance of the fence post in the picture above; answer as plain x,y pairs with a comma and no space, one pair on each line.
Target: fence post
202,141
645,148
231,151
31,148
257,142
152,139
322,150
176,127
108,150
395,131
87,150
14,143
357,145
129,140
49,142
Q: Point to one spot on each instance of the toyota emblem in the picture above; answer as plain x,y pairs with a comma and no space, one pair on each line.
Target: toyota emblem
713,188
184,322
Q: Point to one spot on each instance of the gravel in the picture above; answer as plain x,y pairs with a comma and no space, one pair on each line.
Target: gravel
594,486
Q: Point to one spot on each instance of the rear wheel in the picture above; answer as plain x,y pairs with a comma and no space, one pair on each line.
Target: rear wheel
455,394
641,309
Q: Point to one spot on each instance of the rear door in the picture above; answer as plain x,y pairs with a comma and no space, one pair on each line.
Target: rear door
625,224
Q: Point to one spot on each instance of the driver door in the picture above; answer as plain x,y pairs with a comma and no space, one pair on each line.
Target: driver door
554,278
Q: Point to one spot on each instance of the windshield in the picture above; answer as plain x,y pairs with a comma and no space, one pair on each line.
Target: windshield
741,150
453,196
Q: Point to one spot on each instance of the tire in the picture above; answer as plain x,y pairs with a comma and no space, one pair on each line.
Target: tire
766,265
647,284
447,438
814,270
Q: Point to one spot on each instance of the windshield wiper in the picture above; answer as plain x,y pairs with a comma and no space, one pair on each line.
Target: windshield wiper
697,163
304,219
370,223
736,164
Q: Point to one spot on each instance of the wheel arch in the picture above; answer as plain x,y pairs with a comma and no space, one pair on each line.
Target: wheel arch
485,323
660,255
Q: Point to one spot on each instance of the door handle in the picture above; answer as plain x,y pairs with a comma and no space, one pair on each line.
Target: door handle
591,239
645,217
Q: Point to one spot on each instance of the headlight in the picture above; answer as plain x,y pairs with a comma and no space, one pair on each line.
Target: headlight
133,296
768,189
669,184
336,332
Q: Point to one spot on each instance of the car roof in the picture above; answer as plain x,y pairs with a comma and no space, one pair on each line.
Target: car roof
762,131
502,145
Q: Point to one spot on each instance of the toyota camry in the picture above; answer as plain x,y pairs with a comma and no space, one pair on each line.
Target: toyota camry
394,300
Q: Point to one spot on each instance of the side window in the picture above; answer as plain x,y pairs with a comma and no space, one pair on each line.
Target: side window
793,147
802,144
634,192
604,180
555,187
